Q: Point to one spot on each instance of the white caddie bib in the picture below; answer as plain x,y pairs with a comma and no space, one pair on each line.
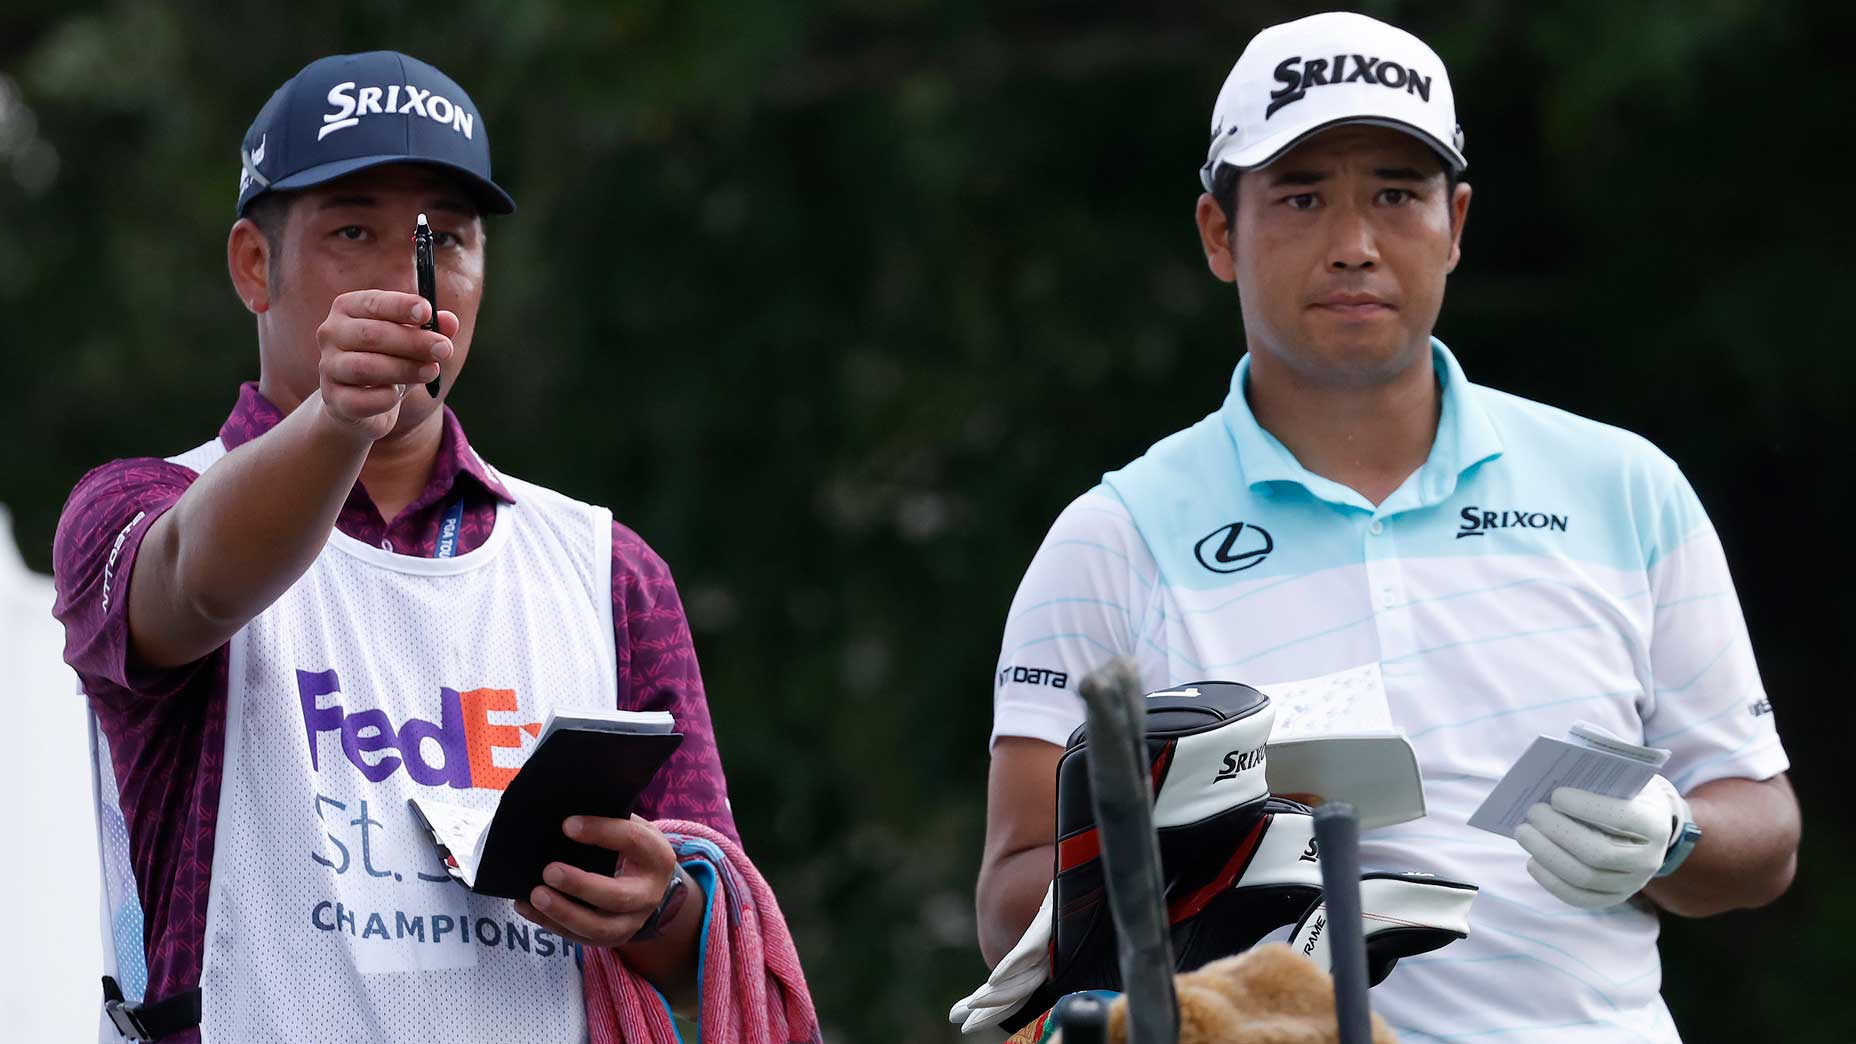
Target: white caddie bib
377,677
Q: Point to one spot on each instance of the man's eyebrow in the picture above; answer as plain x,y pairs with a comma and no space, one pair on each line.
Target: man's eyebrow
1400,174
1298,177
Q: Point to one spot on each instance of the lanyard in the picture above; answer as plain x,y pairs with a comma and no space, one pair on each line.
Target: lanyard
448,530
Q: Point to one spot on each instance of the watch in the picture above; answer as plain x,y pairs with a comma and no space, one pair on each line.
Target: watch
667,907
1687,836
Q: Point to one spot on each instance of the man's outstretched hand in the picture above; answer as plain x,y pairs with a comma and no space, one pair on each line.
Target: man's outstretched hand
374,346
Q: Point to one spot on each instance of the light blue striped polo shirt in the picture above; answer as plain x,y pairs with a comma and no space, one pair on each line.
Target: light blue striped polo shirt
1539,569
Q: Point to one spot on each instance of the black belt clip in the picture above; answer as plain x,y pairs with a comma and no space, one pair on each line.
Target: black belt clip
145,1023
124,1016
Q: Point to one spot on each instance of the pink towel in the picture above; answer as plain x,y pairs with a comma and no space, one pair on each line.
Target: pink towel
753,991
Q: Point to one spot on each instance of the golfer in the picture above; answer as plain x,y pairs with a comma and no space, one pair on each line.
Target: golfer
336,604
1439,557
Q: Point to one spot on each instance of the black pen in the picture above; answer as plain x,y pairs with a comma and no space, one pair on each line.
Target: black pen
428,282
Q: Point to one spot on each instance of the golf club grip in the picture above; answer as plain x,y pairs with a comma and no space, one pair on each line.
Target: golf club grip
1122,797
1337,833
1082,1018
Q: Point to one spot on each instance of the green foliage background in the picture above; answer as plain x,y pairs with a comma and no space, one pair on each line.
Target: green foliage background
839,303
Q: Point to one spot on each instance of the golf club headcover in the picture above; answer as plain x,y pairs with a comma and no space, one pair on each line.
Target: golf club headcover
1265,995
1212,812
1239,864
1402,915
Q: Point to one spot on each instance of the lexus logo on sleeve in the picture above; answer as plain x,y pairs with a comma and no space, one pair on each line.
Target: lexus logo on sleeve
1234,548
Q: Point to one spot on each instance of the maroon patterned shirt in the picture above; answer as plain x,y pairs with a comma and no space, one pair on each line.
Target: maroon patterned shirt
166,728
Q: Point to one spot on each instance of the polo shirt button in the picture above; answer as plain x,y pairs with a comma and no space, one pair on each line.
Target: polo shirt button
1376,528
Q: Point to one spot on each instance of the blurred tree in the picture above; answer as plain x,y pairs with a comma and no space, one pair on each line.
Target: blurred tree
839,303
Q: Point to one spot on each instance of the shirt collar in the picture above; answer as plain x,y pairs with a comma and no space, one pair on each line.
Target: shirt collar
254,415
1465,437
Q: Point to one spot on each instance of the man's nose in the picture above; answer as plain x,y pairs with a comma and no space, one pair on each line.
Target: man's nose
1351,244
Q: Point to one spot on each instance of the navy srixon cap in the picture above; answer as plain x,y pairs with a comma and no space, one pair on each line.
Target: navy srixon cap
349,112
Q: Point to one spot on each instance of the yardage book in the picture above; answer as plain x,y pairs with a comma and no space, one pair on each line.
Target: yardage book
586,763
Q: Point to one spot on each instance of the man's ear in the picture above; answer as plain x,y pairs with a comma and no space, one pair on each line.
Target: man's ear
248,258
1459,216
1215,238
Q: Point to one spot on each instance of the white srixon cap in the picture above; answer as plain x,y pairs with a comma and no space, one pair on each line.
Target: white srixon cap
1302,77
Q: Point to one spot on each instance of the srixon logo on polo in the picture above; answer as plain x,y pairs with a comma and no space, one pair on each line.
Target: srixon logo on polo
1477,522
1298,74
394,99
458,751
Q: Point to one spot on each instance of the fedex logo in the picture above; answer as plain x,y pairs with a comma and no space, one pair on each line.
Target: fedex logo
464,739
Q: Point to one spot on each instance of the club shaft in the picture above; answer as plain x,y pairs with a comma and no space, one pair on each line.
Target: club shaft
1122,795
1337,833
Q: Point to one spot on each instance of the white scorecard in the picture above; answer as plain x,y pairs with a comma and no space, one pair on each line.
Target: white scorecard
1334,739
1377,773
1590,759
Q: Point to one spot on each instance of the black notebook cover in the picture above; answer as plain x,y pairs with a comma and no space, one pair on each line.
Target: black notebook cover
576,772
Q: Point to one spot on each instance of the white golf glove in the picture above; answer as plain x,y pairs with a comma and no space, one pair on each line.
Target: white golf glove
1592,851
1017,977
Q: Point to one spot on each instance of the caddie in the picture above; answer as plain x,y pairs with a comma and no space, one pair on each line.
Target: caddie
336,604
1436,556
